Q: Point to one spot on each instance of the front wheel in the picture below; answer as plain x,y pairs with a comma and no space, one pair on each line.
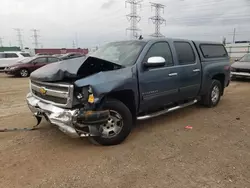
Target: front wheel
119,124
212,97
24,73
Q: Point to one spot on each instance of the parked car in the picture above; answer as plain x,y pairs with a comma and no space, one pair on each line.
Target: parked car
70,56
10,58
24,67
241,68
101,96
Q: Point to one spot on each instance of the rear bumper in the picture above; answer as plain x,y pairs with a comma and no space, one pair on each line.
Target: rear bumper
73,122
240,74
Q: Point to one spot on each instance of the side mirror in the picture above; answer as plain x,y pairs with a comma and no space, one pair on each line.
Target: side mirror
236,60
156,61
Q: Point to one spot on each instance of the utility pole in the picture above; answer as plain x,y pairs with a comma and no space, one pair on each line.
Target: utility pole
157,19
234,35
133,17
1,42
76,39
35,36
19,37
224,40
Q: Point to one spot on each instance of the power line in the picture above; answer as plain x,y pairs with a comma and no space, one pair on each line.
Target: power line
35,36
133,17
157,19
19,37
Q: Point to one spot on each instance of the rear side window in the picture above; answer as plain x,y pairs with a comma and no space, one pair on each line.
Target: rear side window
185,53
25,54
2,56
161,49
213,50
11,55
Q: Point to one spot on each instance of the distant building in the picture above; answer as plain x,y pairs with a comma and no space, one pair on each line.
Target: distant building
238,49
11,48
60,50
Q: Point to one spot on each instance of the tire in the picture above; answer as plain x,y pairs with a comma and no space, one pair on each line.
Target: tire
117,109
210,100
24,73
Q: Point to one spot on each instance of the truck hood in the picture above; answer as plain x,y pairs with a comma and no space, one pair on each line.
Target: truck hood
105,82
241,65
73,69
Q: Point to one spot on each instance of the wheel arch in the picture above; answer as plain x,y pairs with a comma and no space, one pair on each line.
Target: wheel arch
127,97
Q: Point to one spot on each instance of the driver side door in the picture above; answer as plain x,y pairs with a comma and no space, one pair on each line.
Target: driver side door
159,85
39,62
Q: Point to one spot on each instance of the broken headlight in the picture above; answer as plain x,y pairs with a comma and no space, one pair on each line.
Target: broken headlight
85,95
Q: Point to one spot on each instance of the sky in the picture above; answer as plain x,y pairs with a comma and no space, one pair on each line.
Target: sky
91,23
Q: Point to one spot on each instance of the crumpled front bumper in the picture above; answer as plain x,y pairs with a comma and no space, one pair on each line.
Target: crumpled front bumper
66,119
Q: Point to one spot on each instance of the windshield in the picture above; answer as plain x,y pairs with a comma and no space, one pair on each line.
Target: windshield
122,53
25,54
27,60
245,58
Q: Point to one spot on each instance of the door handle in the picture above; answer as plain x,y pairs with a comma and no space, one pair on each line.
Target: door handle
173,74
196,70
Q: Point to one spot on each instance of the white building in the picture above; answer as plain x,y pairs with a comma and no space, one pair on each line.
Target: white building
238,49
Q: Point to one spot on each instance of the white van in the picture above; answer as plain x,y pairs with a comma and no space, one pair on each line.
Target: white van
10,58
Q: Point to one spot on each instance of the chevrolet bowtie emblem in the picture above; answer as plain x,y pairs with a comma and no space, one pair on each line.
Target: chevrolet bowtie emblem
43,90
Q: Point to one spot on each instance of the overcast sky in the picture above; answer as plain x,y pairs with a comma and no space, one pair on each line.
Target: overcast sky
94,22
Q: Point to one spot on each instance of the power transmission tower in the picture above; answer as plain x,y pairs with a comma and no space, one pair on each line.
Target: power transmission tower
19,37
133,17
1,42
35,36
73,44
157,19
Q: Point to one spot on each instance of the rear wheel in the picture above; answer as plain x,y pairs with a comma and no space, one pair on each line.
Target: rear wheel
119,124
212,97
24,73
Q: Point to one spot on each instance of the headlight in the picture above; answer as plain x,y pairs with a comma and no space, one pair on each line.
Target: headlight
233,69
85,95
12,68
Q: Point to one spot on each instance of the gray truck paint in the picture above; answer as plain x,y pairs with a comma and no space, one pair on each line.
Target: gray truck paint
150,88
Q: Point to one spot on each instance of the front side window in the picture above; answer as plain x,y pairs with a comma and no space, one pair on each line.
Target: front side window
52,60
161,49
41,60
11,55
123,53
185,53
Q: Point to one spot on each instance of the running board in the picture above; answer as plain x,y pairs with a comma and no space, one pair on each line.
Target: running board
166,110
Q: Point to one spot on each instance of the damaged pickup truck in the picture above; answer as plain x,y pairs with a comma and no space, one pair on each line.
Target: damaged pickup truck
101,96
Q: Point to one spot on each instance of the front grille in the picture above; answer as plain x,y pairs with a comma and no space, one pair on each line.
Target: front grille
58,100
54,93
243,70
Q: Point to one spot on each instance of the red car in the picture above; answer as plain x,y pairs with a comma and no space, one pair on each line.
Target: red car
25,67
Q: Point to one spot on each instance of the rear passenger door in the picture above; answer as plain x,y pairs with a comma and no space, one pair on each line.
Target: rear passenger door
158,85
190,69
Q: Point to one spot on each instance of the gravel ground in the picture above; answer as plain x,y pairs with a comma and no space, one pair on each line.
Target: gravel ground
158,153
